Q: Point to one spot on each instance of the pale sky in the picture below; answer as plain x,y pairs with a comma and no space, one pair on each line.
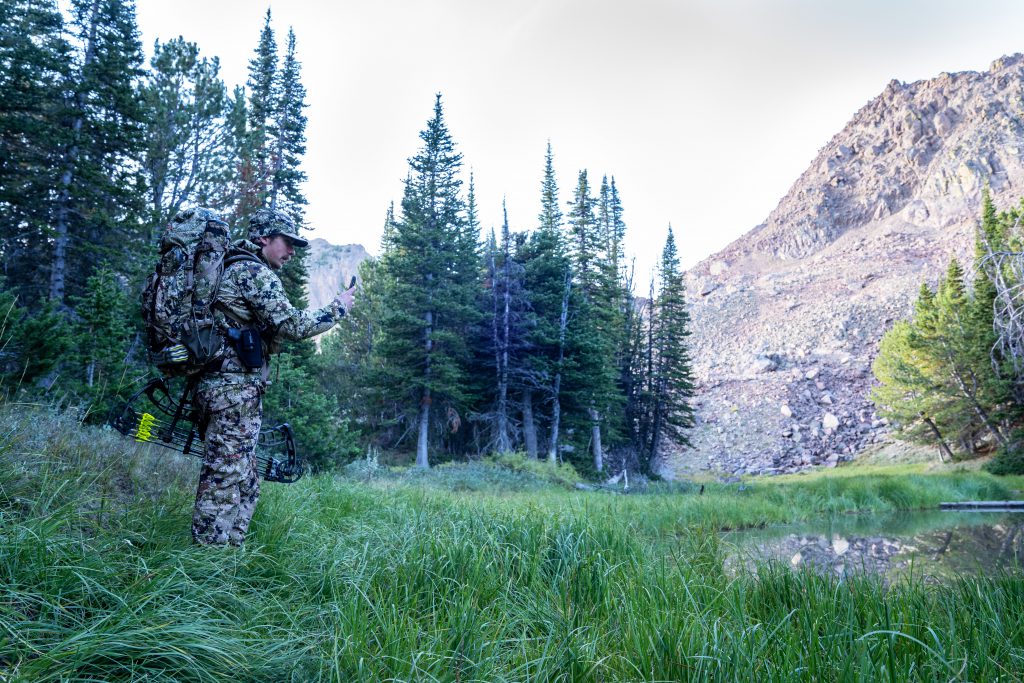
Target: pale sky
705,111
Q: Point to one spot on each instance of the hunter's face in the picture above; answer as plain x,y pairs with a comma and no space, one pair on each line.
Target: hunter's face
277,250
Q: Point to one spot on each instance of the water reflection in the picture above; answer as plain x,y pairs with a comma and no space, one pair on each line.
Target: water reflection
935,544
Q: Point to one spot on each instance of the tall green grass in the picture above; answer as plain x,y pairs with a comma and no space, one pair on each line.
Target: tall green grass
394,579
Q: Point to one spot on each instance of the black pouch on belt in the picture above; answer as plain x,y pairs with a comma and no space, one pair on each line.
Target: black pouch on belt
248,346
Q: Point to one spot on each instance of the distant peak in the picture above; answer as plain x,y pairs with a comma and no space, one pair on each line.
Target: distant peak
917,154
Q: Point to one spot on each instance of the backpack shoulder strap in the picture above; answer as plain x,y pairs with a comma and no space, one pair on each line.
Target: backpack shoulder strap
236,256
239,256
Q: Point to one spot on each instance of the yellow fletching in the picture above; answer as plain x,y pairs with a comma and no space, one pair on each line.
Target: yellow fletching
144,432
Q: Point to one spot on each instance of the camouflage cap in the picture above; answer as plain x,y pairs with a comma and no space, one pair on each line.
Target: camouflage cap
267,223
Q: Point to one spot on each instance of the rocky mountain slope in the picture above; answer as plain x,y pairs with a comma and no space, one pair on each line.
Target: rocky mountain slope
331,268
787,319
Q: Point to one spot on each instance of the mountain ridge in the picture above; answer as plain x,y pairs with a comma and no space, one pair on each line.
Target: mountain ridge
787,318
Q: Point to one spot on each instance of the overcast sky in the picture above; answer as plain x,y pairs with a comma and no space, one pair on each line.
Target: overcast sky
705,111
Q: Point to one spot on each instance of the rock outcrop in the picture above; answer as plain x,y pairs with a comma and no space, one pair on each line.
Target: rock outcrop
787,319
331,267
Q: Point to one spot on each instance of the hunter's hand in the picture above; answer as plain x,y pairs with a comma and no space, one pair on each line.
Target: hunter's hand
343,302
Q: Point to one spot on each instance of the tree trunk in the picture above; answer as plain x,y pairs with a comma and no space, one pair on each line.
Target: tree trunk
556,406
595,431
978,409
529,427
58,272
652,448
499,334
646,403
556,419
424,432
943,448
504,440
423,439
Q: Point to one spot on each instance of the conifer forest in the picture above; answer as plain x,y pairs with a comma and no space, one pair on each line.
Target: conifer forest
492,433
466,339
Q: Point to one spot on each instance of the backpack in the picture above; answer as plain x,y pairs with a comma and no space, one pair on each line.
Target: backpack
178,298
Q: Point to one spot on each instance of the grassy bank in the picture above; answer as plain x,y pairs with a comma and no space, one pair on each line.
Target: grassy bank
420,577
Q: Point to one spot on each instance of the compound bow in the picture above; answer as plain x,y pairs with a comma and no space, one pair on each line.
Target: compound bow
172,424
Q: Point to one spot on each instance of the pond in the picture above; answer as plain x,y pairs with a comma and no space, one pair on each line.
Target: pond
932,543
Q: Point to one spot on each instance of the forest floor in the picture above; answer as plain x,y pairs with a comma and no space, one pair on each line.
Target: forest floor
496,570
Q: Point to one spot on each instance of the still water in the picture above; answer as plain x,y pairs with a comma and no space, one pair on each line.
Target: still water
930,543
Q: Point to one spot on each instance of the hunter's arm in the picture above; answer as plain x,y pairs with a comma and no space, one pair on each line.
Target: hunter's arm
275,312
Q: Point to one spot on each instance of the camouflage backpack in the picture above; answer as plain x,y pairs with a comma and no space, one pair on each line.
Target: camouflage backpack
178,299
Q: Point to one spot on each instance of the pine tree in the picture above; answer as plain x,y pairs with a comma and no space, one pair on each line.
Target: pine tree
936,377
186,139
905,393
595,329
256,150
287,179
548,287
431,269
97,206
509,329
103,335
671,381
35,65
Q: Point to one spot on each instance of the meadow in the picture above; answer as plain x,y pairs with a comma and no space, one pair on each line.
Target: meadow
496,570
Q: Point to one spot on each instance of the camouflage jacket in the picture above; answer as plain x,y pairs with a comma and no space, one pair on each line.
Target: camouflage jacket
252,296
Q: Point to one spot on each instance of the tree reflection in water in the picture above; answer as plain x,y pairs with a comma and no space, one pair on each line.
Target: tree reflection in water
932,544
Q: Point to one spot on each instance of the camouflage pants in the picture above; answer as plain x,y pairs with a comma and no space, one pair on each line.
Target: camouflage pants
229,485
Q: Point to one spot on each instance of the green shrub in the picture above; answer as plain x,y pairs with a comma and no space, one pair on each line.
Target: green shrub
482,475
561,474
1007,461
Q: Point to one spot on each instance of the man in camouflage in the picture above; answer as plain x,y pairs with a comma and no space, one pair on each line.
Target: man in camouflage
230,399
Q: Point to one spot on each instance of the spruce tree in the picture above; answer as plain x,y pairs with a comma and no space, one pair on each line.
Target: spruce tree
256,149
347,363
97,207
35,65
905,393
584,236
964,341
103,334
430,300
287,178
186,139
509,325
289,132
936,376
595,330
672,387
547,284
42,339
